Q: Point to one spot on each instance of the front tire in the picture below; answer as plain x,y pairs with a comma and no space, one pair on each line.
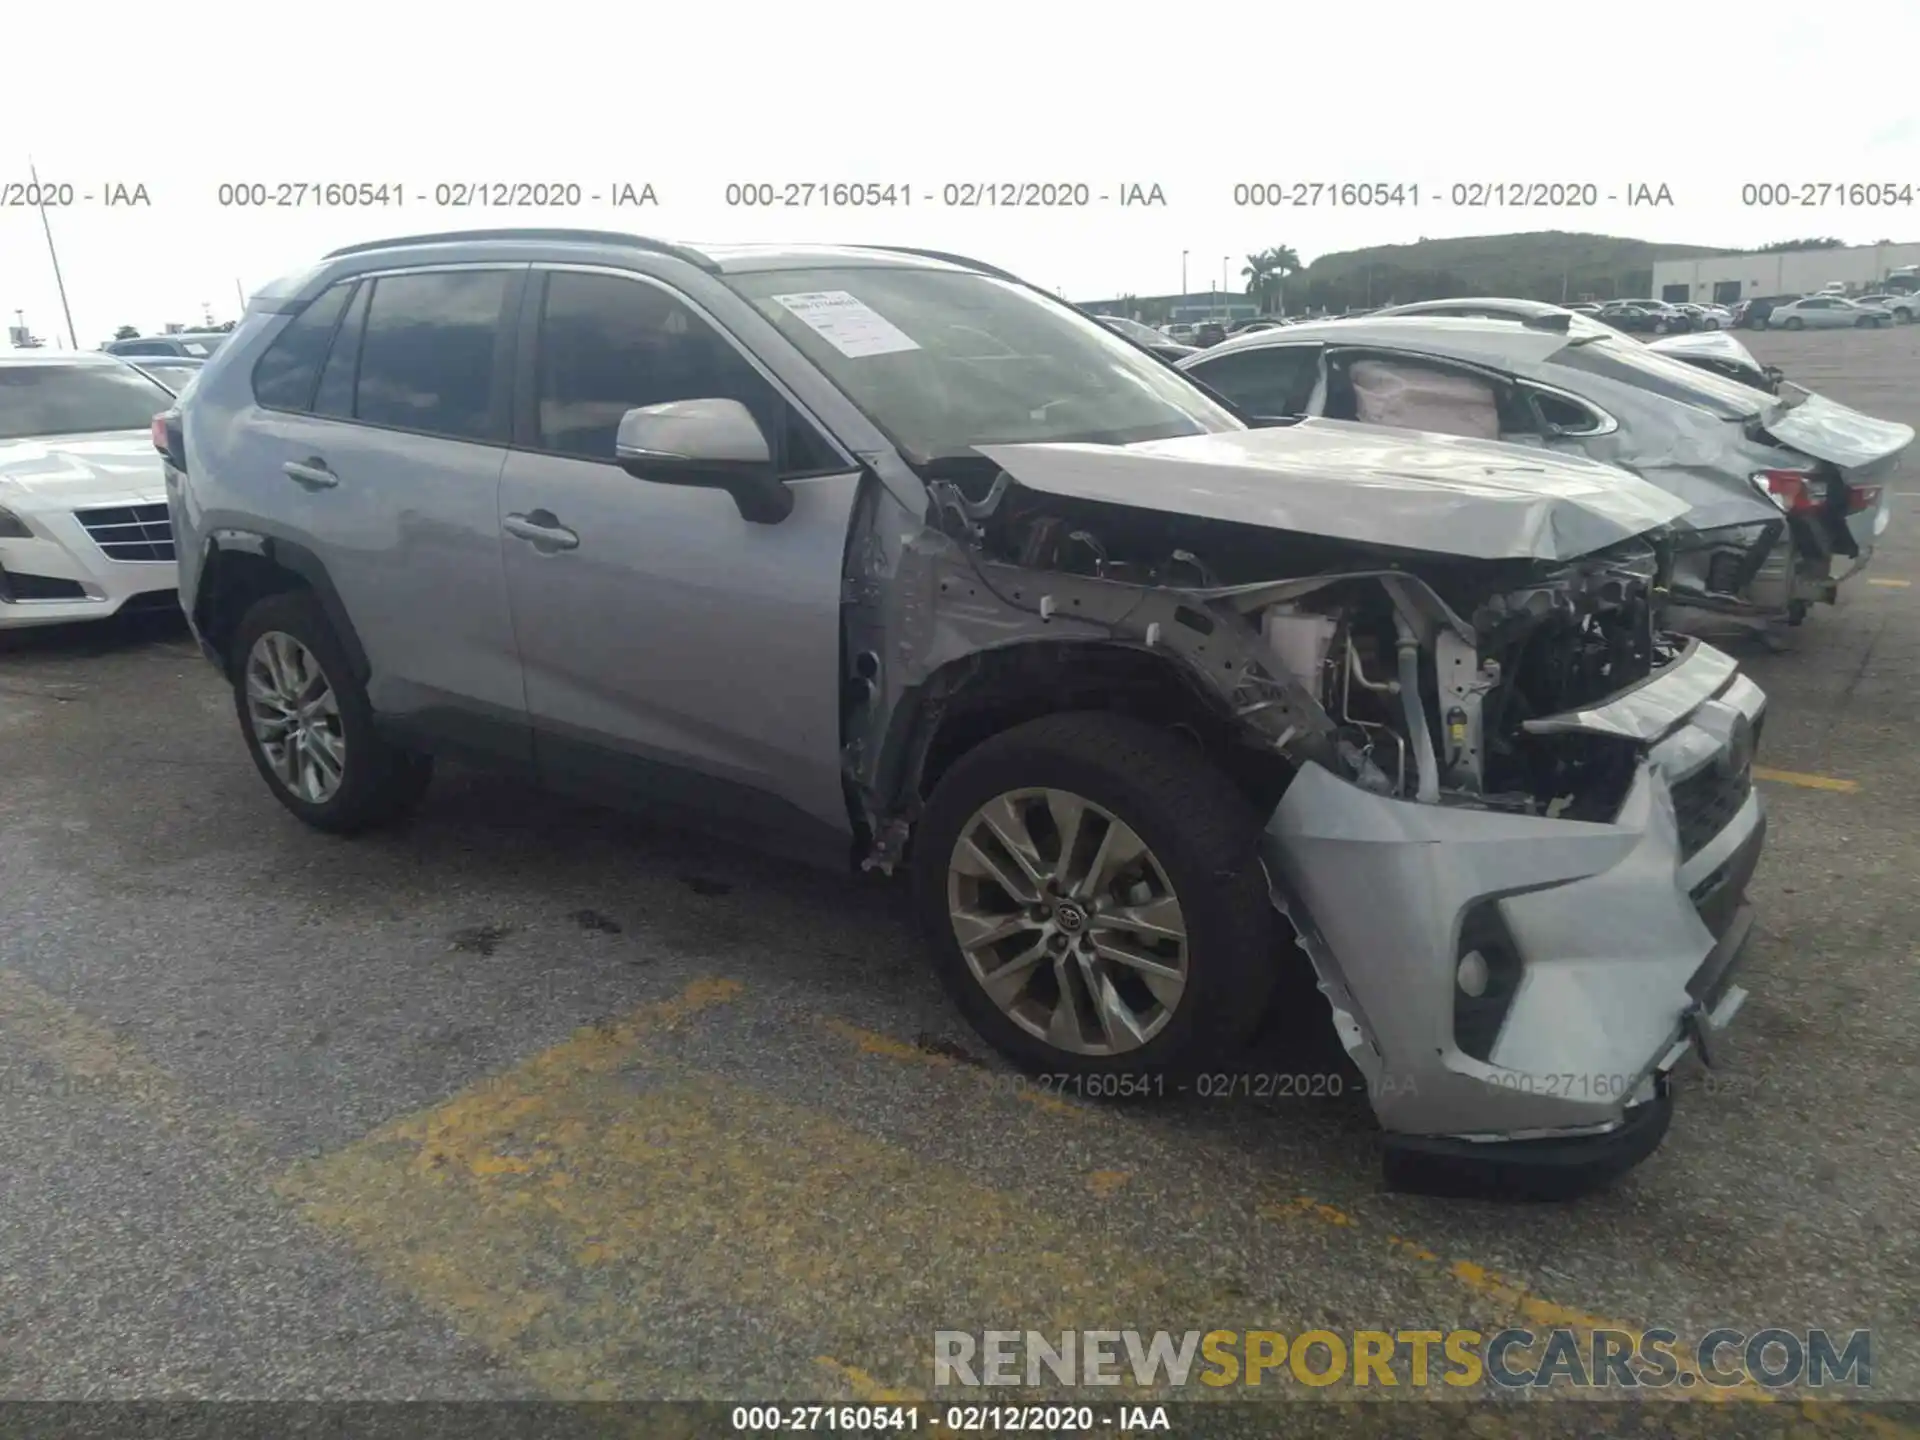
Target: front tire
1794,322
1093,896
309,726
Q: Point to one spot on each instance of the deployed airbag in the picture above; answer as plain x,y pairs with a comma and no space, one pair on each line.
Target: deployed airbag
1411,398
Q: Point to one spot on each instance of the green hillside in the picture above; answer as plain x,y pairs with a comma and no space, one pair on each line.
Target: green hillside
1539,265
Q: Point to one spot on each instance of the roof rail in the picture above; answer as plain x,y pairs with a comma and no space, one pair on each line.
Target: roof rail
944,255
587,237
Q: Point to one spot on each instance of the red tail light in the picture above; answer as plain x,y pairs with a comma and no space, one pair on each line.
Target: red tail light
1795,490
1863,498
159,433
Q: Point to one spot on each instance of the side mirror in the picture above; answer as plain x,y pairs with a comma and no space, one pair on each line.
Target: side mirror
713,444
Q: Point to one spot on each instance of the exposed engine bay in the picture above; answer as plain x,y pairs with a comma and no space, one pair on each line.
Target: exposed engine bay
1409,674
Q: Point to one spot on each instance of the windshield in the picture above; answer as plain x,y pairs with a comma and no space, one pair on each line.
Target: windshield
1134,330
1648,369
76,400
942,361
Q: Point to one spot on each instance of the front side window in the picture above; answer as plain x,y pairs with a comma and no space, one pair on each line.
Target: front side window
1265,380
42,400
609,344
428,354
284,377
943,361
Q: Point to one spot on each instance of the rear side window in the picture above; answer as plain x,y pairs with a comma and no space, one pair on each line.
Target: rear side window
1629,364
285,376
334,398
1268,381
429,354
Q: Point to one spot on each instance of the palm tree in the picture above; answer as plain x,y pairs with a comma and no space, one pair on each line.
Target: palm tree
1284,260
1267,272
1258,273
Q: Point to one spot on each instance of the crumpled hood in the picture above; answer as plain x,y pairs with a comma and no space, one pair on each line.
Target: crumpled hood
1363,483
1829,431
119,467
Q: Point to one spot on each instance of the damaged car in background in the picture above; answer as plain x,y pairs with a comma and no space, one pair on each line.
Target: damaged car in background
1718,353
1786,495
1154,704
1710,348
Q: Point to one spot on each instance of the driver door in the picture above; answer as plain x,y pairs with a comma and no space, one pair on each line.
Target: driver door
676,654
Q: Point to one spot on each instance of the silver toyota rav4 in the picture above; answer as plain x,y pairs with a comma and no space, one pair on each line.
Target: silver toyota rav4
885,558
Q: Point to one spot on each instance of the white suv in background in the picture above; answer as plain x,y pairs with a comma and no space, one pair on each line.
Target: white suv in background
83,502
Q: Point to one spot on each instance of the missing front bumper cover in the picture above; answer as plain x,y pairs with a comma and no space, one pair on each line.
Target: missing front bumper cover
1629,931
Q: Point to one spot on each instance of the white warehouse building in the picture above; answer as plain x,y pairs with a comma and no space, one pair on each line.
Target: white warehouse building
1726,278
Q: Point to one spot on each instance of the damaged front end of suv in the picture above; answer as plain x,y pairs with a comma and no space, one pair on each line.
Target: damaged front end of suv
1509,820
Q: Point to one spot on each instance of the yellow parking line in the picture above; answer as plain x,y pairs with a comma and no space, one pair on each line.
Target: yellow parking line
559,1211
89,1057
1890,584
1804,781
1504,1295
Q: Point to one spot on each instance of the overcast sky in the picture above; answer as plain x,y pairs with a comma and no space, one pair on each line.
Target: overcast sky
1194,97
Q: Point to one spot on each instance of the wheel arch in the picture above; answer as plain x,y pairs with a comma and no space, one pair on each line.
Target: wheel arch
970,700
239,568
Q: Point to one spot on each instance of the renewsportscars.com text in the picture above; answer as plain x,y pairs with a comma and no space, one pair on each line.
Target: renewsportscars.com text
1772,1358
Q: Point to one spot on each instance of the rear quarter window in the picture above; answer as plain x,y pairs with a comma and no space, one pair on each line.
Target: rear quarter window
286,375
1648,370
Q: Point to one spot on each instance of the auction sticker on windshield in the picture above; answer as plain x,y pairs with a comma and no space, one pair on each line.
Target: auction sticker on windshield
848,324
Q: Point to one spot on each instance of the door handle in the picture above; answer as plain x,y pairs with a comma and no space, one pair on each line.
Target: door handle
312,473
541,529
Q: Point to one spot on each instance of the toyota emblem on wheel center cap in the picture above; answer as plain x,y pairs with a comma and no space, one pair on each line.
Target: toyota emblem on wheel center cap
1069,917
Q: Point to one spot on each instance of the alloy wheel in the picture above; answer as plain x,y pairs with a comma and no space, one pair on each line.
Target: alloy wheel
295,717
1067,921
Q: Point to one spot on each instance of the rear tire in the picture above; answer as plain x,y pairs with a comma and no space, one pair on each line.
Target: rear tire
1062,920
321,757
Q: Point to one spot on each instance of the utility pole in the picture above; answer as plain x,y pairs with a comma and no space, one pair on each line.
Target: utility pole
1183,274
241,291
73,337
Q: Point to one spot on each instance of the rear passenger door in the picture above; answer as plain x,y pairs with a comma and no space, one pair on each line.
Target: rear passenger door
386,460
675,652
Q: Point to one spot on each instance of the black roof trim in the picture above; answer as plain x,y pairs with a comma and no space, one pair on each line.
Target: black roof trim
577,237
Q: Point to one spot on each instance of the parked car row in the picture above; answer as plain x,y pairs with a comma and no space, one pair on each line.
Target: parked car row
1826,311
1116,659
